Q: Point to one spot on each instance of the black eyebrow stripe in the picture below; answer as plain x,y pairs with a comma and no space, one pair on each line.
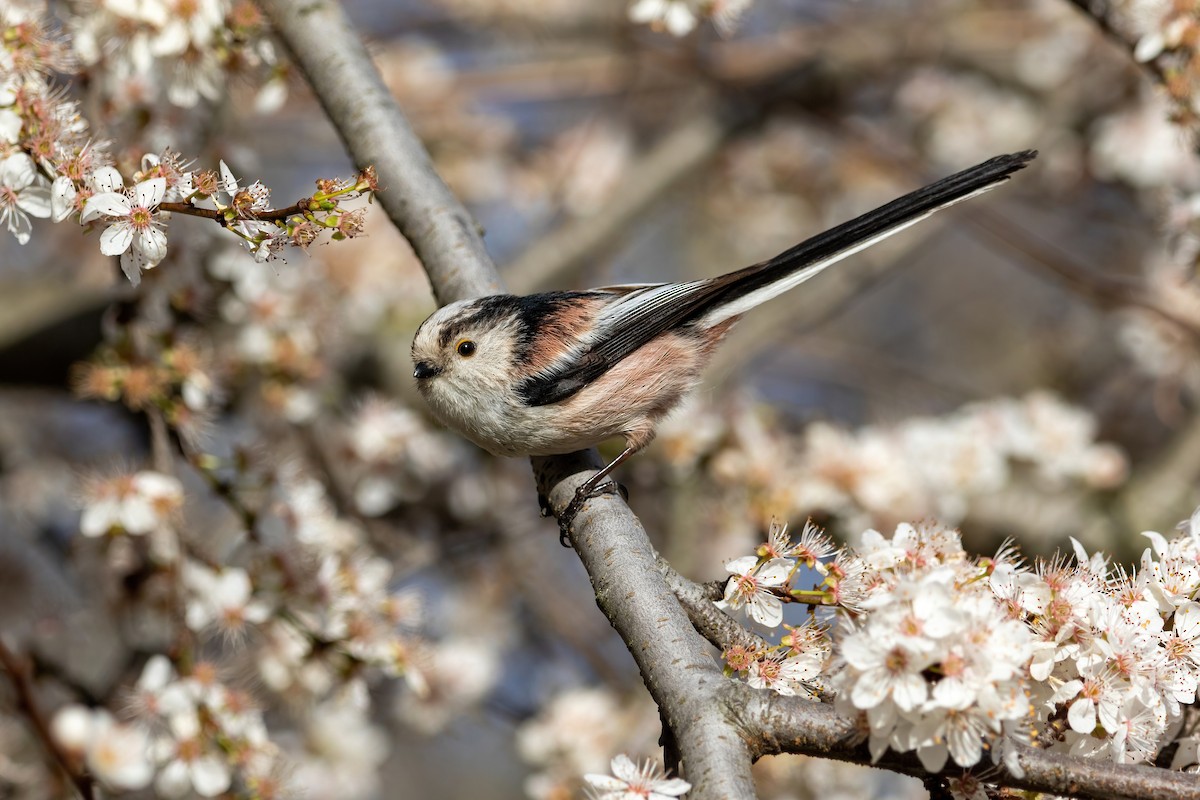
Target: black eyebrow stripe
529,311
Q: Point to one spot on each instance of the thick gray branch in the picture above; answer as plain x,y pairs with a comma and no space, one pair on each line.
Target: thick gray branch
678,668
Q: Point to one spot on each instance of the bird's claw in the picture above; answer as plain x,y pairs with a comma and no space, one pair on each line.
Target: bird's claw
582,495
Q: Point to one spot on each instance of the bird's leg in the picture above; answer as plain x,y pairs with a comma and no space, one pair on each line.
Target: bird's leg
587,490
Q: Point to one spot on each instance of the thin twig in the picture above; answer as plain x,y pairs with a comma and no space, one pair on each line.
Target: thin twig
160,442
300,209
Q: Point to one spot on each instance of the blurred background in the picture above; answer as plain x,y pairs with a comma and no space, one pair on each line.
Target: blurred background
1023,366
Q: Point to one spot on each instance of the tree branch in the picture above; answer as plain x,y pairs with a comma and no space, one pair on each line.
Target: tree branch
778,724
1109,17
691,692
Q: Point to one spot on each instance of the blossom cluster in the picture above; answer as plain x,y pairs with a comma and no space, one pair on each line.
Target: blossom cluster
186,735
951,656
932,660
1167,32
928,465
184,53
394,455
52,166
879,474
305,599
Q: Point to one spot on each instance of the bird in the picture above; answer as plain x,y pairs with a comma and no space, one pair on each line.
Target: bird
559,371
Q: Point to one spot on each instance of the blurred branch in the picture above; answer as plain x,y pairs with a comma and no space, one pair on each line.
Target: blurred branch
19,670
1100,288
37,306
1164,490
1116,24
557,256
1039,253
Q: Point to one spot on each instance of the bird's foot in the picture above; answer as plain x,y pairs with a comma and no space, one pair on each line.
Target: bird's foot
582,495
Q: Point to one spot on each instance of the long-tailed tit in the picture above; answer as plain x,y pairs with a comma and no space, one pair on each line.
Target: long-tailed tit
556,372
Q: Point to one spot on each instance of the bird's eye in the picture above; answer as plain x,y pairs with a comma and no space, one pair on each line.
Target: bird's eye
465,348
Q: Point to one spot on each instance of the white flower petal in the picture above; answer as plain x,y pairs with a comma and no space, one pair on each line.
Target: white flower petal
17,171
229,184
132,264
10,126
672,787
98,518
116,239
1187,621
173,780
109,204
151,243
933,758
18,224
62,198
107,179
150,193
210,776
1082,716
606,783
35,200
157,673
868,691
775,572
624,768
766,610
909,691
741,566
72,727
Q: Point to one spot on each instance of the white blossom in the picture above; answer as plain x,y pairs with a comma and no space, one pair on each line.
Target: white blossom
632,782
189,762
22,194
751,586
134,229
135,504
117,754
225,598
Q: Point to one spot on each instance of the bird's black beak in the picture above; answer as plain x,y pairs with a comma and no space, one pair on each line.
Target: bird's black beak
424,369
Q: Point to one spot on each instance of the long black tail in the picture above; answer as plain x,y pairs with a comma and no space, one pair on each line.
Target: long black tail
753,285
